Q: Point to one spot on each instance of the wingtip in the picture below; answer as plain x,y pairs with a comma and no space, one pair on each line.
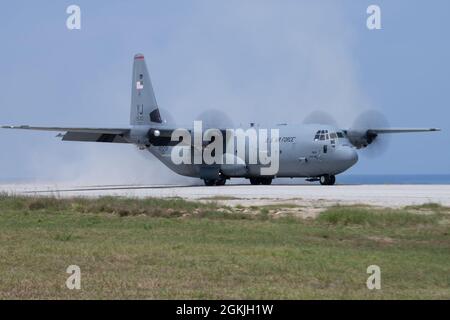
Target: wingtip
15,127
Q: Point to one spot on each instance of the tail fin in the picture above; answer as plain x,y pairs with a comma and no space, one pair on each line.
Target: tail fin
144,109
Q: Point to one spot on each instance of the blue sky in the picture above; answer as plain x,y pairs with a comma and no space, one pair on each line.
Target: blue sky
258,60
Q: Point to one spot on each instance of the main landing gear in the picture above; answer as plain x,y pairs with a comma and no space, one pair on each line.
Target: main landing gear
215,182
327,180
261,180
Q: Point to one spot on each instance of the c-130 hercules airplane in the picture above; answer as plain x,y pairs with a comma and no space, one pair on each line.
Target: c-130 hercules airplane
317,152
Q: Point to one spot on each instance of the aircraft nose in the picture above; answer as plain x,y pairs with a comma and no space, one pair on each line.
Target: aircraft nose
347,156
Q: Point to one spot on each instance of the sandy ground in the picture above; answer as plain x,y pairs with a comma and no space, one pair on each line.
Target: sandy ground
247,195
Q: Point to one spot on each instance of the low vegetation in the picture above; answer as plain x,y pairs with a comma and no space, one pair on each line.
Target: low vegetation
376,218
172,248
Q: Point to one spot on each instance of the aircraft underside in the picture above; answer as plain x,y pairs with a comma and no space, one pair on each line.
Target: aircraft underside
213,175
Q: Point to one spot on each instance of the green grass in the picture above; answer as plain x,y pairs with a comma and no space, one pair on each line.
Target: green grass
371,218
156,248
431,206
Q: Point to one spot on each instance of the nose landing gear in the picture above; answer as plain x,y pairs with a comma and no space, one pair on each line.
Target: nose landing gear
327,180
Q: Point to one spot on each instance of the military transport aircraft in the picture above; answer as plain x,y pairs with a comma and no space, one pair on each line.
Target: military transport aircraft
317,152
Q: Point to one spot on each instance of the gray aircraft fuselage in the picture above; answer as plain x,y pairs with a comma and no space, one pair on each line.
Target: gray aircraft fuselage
300,154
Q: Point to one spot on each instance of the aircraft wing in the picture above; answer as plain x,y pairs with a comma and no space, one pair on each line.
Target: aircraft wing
111,135
402,130
361,138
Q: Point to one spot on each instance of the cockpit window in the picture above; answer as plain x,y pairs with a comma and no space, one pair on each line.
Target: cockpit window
323,135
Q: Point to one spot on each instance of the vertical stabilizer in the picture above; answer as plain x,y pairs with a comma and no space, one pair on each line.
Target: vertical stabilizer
144,109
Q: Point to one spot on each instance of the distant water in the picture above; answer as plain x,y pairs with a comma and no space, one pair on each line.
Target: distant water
394,179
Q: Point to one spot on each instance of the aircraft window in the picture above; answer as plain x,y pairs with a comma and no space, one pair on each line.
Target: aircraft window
323,135
333,135
317,136
340,134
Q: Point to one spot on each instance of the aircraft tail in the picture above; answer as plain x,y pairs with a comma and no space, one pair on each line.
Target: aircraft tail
144,108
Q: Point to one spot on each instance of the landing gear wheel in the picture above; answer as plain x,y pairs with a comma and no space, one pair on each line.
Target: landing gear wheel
263,181
209,182
332,180
323,180
221,182
214,182
327,180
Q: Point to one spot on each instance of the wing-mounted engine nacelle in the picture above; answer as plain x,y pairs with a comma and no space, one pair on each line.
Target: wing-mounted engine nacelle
361,138
160,137
153,135
145,137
